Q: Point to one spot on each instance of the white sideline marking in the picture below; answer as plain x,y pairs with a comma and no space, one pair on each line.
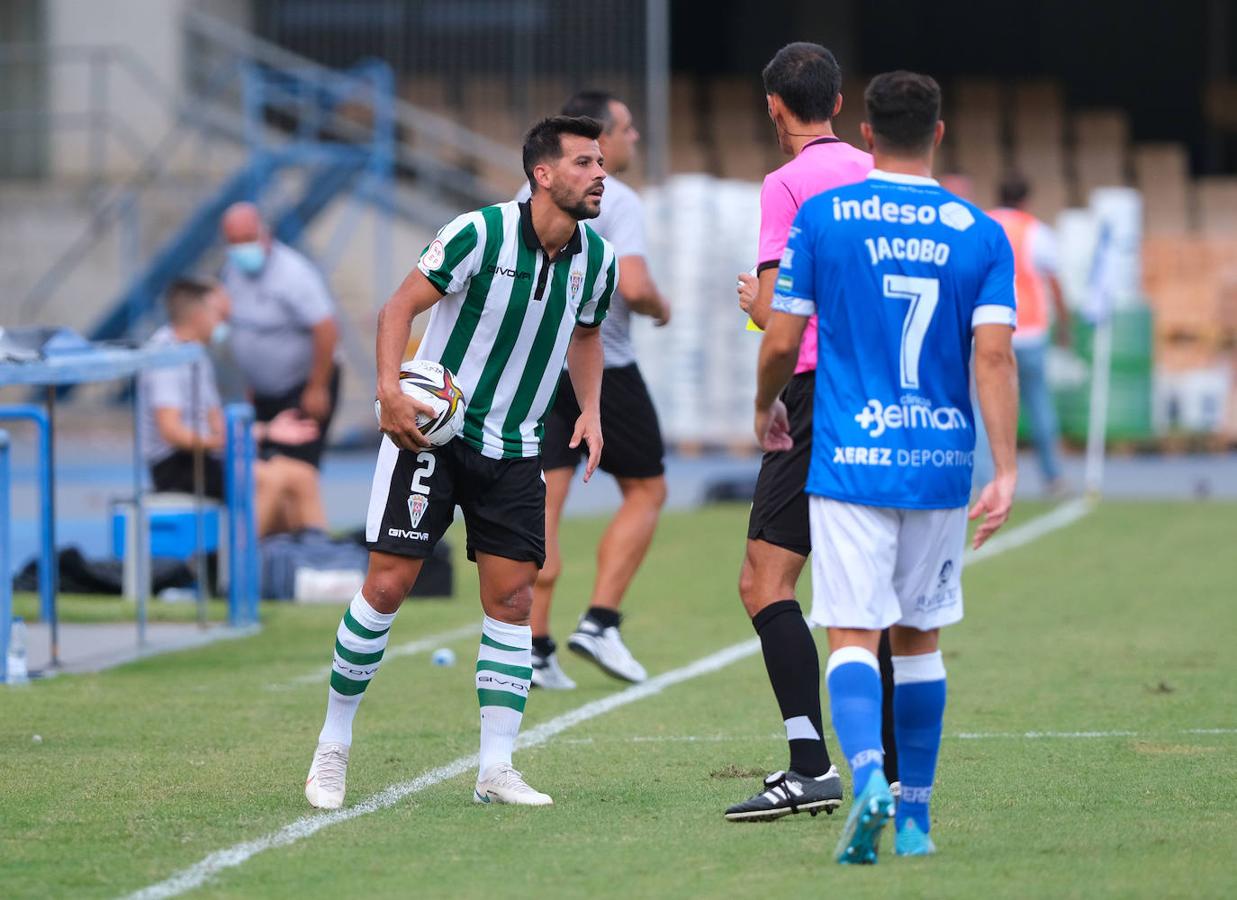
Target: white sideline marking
1066,514
1040,735
197,875
427,644
962,735
231,857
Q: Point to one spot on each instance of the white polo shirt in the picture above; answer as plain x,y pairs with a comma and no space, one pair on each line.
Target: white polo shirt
172,388
273,315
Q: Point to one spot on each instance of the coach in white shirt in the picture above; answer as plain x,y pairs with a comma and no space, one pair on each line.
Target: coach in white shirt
283,329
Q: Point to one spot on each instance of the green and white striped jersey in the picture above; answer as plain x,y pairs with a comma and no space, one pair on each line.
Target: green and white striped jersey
506,318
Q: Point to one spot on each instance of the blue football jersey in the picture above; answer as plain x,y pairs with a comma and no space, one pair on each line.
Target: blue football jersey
899,272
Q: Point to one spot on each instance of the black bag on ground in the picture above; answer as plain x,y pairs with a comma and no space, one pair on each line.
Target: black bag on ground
79,575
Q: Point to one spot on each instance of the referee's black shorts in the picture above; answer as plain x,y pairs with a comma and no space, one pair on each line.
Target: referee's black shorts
633,447
779,507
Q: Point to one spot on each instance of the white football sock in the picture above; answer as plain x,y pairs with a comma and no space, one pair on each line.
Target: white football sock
360,641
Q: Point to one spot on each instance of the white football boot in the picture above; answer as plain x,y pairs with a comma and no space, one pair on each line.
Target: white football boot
605,647
324,788
501,783
548,674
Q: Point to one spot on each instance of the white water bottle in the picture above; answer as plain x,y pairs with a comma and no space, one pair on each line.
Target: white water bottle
18,673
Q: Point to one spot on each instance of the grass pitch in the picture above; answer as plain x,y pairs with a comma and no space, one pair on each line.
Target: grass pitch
1089,751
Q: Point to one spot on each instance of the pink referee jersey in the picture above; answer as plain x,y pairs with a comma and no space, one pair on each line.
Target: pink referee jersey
822,165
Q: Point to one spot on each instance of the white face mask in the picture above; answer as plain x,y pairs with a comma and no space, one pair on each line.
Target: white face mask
249,257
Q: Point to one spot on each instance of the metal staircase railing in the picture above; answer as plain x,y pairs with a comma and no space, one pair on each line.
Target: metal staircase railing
251,93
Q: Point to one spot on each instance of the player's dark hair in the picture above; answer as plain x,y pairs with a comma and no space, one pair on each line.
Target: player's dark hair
807,77
593,104
183,294
1014,189
544,141
903,109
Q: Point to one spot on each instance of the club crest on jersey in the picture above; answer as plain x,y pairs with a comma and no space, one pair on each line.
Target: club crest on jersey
435,254
575,282
417,504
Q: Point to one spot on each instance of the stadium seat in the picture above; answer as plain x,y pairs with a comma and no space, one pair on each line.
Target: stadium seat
1097,129
1161,173
1038,114
1217,205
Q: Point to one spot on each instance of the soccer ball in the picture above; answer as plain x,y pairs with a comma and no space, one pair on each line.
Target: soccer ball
433,385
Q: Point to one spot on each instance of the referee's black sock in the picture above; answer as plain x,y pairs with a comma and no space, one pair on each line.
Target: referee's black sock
544,646
794,671
604,616
885,657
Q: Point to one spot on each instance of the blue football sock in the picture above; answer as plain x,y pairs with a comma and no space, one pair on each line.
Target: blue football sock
918,711
853,677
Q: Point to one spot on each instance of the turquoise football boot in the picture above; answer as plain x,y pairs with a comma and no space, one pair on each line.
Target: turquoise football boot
910,841
862,832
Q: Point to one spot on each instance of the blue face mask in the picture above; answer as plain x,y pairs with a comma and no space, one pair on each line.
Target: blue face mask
219,334
249,257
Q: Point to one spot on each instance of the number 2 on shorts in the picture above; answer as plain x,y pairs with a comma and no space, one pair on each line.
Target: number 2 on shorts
427,461
923,294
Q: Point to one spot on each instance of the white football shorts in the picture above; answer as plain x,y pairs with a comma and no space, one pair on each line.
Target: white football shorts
873,566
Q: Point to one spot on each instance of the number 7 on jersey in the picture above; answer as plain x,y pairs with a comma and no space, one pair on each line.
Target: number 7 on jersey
923,293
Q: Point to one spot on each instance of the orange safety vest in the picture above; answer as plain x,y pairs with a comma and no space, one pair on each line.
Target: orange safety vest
1030,292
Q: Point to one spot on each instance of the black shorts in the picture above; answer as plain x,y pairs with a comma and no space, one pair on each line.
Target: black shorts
779,506
414,495
632,436
174,474
266,408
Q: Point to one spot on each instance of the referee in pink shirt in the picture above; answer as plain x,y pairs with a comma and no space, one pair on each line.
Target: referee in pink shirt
803,87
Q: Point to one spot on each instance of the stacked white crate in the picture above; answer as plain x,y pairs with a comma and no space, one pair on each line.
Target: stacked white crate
701,368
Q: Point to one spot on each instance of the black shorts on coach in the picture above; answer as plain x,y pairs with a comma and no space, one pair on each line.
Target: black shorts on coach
266,408
414,495
632,445
174,474
779,506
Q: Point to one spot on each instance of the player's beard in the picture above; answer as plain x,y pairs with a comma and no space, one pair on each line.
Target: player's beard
576,206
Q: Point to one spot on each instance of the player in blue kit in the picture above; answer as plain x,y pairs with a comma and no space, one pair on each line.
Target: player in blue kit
904,277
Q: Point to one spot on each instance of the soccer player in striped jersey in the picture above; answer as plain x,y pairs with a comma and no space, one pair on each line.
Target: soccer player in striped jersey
512,290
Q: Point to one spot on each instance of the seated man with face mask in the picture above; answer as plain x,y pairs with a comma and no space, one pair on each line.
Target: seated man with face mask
174,423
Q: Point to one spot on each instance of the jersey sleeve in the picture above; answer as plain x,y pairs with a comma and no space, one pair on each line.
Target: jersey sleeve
593,311
777,212
454,255
795,289
994,305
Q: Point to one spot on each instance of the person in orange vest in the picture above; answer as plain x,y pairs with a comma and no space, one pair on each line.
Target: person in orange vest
1039,297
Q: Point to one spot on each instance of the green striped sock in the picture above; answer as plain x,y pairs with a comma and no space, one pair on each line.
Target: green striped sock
504,673
360,642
